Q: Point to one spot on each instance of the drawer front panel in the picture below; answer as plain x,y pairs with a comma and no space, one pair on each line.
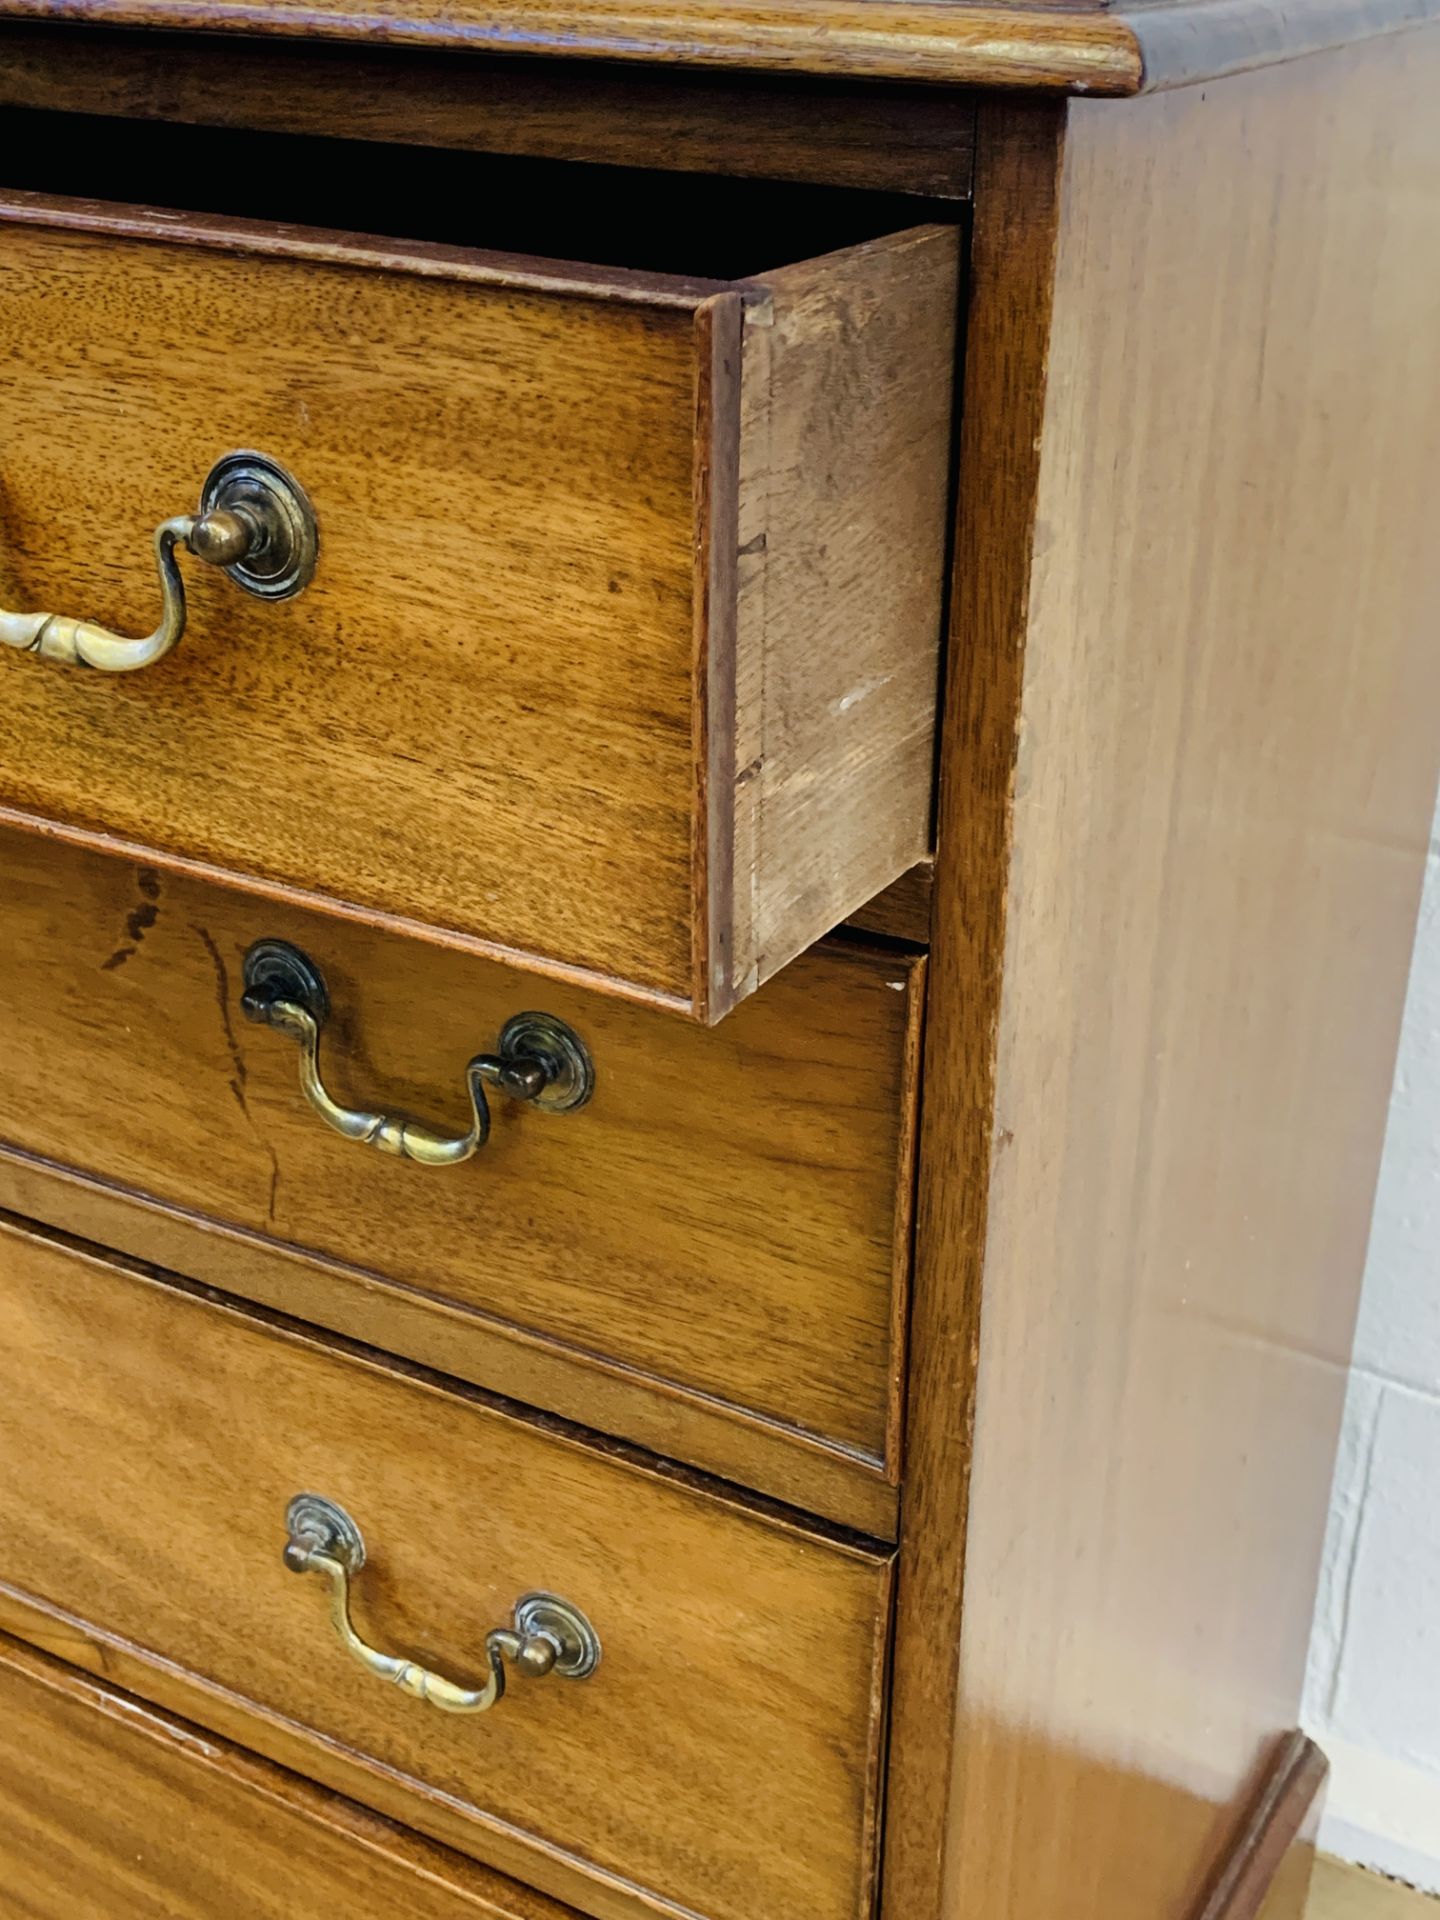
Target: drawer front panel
728,1216
534,699
90,1784
459,706
721,1761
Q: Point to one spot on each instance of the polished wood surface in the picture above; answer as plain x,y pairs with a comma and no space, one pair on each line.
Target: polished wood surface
90,1784
150,1439
1186,787
1190,774
905,139
663,774
530,1367
1095,47
1060,45
1001,424
711,1257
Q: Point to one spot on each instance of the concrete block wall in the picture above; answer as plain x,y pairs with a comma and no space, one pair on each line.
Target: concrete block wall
1373,1692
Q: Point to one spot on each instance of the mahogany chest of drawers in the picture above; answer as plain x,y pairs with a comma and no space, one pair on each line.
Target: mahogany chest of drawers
692,1060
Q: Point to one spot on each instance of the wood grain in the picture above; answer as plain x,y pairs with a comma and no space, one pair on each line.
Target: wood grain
902,911
740,1687
90,1781
430,651
1001,421
535,1368
1080,46
908,40
499,652
711,1257
1198,740
833,771
905,139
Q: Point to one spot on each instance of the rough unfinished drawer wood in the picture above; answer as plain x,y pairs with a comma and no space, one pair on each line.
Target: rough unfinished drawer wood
91,1783
620,657
709,1258
723,1759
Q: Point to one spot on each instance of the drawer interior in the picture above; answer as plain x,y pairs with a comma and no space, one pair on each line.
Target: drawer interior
697,226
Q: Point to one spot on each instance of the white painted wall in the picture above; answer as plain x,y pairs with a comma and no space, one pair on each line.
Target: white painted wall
1373,1693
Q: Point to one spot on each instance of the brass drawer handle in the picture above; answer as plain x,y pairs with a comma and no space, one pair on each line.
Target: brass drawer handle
254,521
548,1635
539,1059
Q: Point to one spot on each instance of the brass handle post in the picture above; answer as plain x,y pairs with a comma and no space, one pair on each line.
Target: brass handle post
254,521
547,1634
538,1060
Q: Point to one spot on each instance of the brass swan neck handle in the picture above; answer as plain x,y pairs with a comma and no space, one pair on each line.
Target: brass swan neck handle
82,643
538,1060
548,1635
254,522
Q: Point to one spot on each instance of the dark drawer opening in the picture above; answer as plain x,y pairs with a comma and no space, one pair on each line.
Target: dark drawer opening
656,222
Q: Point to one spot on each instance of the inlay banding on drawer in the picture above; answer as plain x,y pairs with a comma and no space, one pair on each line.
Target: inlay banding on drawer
620,657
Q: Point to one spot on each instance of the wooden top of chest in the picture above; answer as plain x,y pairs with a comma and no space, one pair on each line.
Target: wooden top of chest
1103,47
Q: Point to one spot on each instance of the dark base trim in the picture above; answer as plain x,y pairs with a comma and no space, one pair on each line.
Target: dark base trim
1288,1794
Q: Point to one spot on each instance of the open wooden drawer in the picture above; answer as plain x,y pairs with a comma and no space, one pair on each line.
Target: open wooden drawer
619,656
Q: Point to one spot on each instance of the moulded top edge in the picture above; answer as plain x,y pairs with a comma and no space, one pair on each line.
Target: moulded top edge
1101,47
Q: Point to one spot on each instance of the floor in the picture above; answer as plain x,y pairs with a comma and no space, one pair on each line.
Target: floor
1345,1893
